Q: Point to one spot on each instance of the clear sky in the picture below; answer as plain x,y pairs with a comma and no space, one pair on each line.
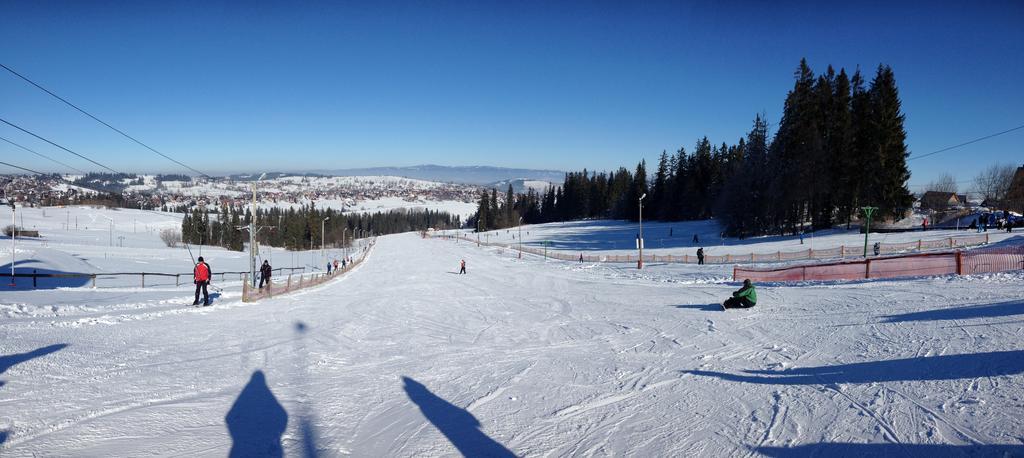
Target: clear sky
296,85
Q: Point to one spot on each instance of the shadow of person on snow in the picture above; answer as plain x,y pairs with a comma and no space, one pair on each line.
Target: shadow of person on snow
256,421
7,361
458,425
961,313
865,450
945,367
701,307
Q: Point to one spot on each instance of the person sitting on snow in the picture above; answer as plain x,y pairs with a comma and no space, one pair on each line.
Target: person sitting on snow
745,297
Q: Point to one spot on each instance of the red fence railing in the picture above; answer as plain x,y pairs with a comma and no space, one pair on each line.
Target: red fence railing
985,260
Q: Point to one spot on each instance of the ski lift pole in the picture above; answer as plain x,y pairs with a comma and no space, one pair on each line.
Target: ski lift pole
868,211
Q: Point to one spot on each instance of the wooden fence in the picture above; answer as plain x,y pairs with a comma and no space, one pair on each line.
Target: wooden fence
302,281
92,278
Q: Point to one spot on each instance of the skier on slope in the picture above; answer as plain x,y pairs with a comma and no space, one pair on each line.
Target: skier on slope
265,272
462,267
744,297
700,256
201,277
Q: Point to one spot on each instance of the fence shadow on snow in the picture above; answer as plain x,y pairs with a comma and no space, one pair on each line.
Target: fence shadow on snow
840,449
961,313
945,367
24,267
458,425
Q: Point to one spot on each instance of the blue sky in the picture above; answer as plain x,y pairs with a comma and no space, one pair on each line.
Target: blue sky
295,86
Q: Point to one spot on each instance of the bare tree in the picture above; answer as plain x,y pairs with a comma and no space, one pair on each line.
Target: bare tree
994,182
171,237
945,183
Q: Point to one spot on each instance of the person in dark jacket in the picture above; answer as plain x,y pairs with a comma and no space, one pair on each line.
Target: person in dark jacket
700,256
744,297
265,272
201,276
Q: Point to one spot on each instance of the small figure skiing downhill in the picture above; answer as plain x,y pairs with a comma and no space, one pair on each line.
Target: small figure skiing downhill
201,277
462,267
744,297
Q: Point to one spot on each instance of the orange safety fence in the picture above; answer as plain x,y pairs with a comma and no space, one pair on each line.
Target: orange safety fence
985,260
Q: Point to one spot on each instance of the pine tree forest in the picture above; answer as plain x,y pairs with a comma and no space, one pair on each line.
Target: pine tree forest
839,146
300,228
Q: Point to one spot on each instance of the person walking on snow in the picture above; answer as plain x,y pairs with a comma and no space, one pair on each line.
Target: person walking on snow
335,265
581,258
265,272
462,267
201,277
744,297
700,256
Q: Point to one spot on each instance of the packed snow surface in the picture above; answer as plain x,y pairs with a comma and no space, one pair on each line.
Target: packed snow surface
402,356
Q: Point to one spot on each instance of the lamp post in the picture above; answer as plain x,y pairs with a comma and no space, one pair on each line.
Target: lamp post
520,237
111,229
14,234
344,246
323,224
868,211
640,238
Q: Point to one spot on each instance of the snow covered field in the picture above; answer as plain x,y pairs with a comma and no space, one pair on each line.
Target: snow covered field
404,357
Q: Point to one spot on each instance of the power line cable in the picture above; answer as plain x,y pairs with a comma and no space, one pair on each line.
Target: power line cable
43,156
62,179
54,144
968,142
19,75
22,168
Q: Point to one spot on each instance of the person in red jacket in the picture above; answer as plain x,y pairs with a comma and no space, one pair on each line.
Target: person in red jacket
201,277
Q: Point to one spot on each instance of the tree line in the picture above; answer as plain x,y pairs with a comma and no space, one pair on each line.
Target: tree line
840,145
300,228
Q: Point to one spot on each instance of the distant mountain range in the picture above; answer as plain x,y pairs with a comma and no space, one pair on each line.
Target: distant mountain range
477,175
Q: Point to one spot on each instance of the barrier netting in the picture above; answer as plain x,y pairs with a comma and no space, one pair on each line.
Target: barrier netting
978,261
844,251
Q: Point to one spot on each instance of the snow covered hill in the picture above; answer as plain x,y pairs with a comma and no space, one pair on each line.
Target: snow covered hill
405,357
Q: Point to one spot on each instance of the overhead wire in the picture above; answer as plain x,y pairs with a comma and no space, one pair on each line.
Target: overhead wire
54,144
967,143
76,107
42,155
21,168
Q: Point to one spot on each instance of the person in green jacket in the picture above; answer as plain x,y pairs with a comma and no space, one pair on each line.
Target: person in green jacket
745,297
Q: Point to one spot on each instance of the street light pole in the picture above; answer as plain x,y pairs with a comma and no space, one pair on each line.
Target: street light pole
640,238
344,246
323,224
520,237
14,235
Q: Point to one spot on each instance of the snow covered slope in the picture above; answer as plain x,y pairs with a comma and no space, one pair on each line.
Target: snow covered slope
404,357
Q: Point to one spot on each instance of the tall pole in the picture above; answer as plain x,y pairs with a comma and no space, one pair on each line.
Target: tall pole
640,239
14,237
323,224
252,231
868,211
520,238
